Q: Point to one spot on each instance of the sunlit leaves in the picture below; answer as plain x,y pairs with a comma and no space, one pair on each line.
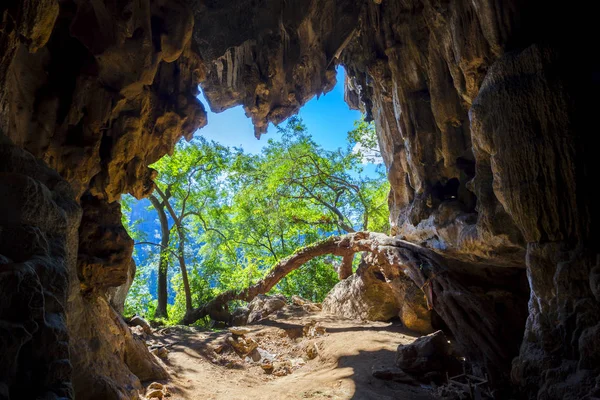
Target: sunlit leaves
242,212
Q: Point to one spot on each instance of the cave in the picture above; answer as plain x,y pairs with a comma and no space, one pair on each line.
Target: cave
484,122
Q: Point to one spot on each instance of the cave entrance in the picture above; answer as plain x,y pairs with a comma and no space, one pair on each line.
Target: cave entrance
227,207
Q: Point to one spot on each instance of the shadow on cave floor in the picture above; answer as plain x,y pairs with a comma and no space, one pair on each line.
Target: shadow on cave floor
202,365
368,387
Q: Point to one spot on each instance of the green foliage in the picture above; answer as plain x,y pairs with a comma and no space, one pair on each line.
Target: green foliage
242,213
139,300
132,227
201,293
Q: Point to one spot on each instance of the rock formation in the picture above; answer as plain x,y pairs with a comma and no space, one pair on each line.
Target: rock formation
481,116
379,293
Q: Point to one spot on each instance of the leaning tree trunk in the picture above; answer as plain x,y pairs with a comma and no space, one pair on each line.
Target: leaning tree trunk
470,316
163,264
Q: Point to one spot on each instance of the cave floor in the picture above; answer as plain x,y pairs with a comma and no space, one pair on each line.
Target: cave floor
202,367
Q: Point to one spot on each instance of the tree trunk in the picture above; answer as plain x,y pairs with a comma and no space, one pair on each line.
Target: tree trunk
470,316
345,269
184,275
178,221
163,264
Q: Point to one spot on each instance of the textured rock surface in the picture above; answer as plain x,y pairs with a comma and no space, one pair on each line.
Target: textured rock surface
38,235
429,353
263,306
376,294
271,56
116,295
97,91
483,126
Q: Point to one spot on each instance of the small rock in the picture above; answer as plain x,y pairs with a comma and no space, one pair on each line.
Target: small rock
243,346
160,352
239,330
312,351
219,349
155,394
267,366
313,329
265,355
139,321
156,385
297,362
138,331
282,368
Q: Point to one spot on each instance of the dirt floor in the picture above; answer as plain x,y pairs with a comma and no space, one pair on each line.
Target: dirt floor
204,365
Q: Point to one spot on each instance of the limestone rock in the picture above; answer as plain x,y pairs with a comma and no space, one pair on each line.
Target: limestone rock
141,322
116,295
376,294
38,233
313,329
156,385
243,346
482,112
160,352
267,366
426,354
392,374
307,305
155,394
262,306
282,368
239,331
312,351
239,316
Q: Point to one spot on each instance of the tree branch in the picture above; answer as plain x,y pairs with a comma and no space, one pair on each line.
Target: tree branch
166,248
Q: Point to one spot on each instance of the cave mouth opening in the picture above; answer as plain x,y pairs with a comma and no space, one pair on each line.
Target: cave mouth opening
227,207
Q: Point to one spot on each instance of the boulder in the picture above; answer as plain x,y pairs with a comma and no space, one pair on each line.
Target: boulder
426,354
377,294
306,304
141,322
264,305
239,316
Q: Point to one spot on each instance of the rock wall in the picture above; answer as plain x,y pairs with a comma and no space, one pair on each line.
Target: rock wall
482,120
38,246
98,91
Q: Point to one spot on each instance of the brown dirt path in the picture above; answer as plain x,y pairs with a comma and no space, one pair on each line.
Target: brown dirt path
342,369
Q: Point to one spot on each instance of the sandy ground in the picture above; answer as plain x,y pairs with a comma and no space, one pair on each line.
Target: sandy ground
347,352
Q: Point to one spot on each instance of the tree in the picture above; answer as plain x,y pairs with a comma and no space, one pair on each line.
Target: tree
185,182
231,215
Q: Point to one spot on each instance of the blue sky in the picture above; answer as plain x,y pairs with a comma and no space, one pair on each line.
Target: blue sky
327,118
